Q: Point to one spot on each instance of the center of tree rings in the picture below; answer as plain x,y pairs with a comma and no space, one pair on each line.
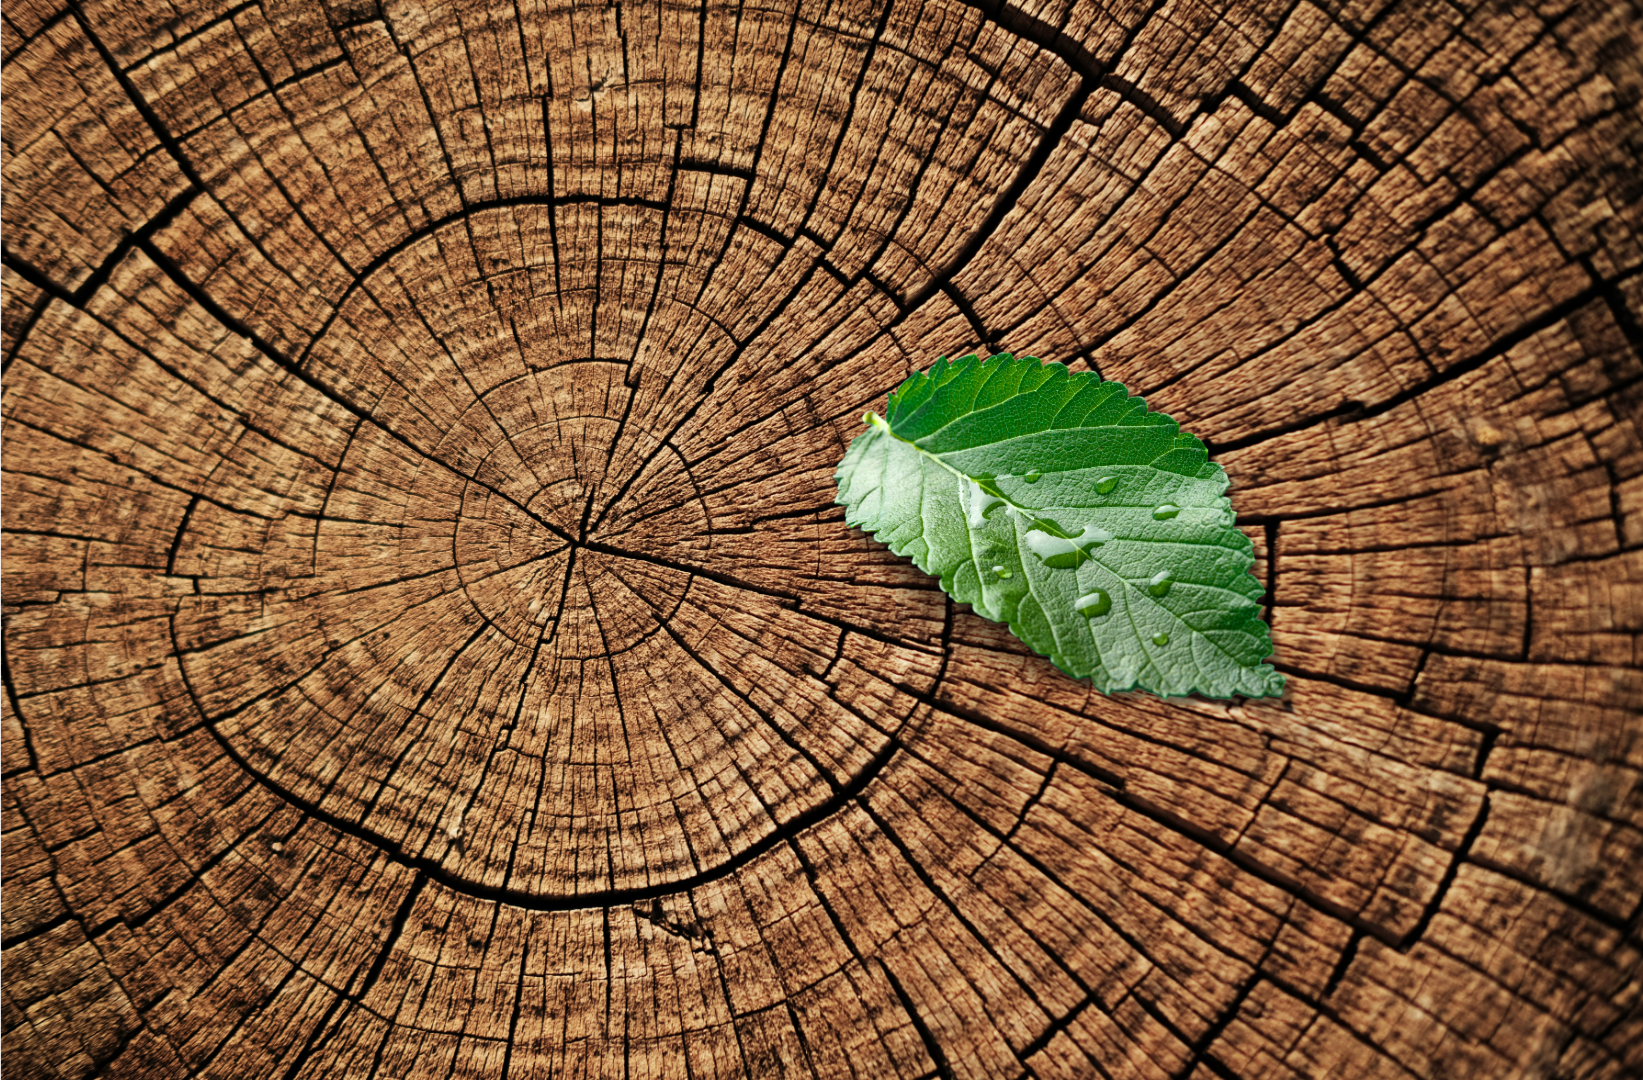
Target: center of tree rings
495,650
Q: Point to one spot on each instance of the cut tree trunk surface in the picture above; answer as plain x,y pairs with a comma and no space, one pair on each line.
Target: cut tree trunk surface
432,650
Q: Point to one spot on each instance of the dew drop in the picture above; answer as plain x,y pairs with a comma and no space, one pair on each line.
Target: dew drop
1062,553
1092,604
1105,485
977,502
1159,583
1160,639
1004,573
1033,476
1165,512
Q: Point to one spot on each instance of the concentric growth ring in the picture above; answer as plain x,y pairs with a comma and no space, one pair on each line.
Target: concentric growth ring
502,663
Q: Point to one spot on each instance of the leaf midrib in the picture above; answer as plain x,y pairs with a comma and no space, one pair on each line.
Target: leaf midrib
875,420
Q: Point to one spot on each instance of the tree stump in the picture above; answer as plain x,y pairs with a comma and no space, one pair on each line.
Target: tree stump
431,647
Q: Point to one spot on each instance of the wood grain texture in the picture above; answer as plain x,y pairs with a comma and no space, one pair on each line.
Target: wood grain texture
432,650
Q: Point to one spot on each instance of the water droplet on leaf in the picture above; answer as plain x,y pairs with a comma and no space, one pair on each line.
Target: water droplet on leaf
1105,485
1004,572
977,502
1093,604
1033,476
1160,639
1159,583
1166,511
1065,552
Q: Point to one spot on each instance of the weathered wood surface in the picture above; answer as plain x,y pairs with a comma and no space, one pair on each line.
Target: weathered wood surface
431,649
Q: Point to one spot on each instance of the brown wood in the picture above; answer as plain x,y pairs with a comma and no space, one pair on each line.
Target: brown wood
431,648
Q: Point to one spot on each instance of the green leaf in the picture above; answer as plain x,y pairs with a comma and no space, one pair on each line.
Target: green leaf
1058,504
